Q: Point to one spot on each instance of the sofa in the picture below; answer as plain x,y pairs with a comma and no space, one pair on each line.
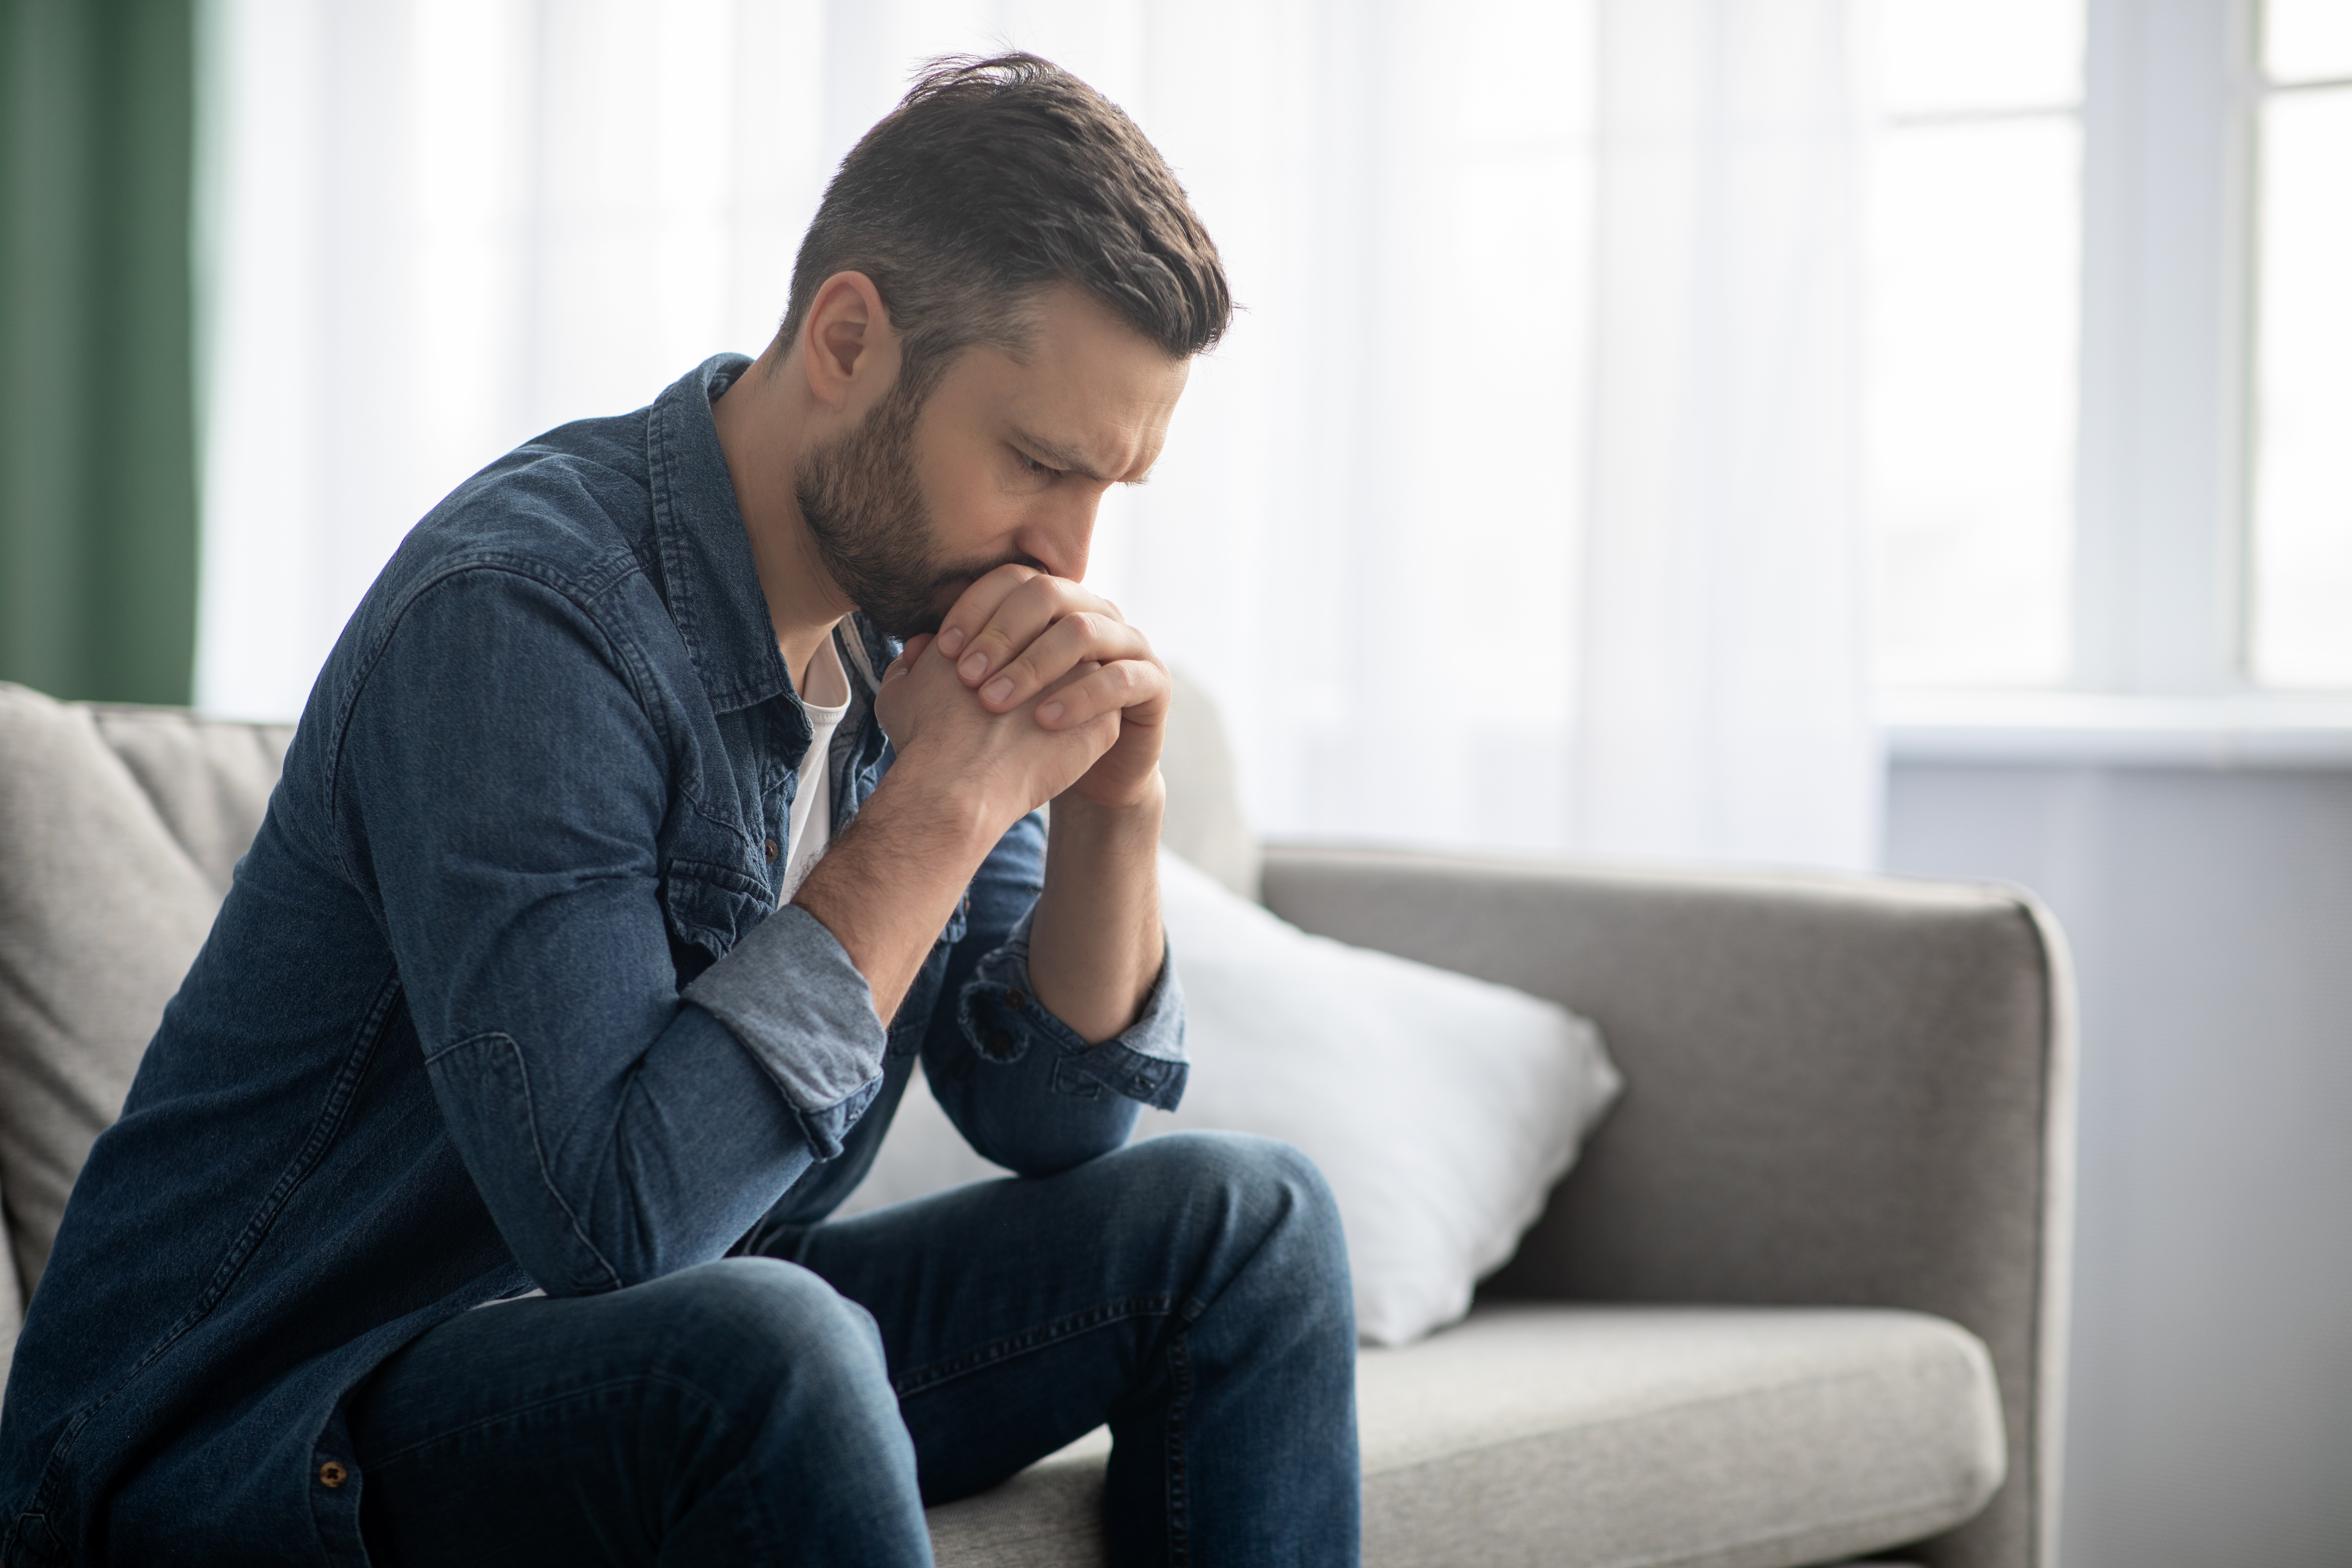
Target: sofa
1801,1299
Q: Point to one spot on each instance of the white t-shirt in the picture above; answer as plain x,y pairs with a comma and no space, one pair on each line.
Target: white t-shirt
824,692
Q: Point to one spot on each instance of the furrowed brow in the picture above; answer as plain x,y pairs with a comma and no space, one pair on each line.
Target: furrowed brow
1057,455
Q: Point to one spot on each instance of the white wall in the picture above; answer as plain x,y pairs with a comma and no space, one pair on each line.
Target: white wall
2210,913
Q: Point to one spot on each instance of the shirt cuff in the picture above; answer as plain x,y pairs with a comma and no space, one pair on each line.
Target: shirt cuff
794,999
1145,1061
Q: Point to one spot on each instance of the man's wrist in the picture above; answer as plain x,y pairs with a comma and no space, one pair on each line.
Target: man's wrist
939,814
1138,817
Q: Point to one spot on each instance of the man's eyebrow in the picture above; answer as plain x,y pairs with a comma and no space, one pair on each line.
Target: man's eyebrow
1058,455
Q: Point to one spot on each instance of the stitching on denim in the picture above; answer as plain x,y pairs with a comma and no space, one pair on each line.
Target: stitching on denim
725,878
718,1411
574,594
663,467
635,662
630,653
661,474
538,1144
1179,1530
628,659
923,1379
681,907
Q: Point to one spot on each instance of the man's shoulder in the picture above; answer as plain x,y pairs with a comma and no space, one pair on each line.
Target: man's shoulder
567,516
571,506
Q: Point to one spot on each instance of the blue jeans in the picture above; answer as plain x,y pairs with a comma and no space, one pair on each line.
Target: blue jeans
802,1403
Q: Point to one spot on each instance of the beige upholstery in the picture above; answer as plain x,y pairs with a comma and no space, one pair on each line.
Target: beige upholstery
119,828
1847,1090
1844,1145
1566,1436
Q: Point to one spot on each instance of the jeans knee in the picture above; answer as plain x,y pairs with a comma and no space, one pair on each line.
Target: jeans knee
760,1333
761,1398
1272,1194
1260,1172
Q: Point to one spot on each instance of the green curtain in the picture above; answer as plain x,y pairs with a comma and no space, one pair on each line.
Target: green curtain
98,450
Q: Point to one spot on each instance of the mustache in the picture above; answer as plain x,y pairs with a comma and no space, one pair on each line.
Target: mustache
952,583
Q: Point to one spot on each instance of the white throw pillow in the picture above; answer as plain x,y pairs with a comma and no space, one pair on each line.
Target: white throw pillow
1441,1109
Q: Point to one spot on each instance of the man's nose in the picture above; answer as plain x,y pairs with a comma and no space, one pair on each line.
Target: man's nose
1064,535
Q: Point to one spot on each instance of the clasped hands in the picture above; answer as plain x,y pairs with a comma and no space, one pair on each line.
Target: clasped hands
1032,688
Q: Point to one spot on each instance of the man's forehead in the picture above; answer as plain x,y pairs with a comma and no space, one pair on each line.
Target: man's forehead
1091,395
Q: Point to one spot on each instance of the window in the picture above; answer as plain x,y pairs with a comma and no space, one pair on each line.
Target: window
1975,257
2302,415
2112,350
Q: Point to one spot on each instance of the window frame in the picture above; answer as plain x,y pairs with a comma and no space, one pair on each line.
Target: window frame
2163,521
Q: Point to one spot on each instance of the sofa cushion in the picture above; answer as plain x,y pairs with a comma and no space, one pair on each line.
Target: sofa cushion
1575,1437
119,828
1441,1109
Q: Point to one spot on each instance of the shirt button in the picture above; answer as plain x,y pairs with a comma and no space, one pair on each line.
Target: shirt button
1000,1043
1016,999
333,1475
771,851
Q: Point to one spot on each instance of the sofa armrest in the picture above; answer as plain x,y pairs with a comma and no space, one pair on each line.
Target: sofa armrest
1840,1091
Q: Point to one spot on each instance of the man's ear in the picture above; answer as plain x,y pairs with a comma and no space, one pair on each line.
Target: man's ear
846,342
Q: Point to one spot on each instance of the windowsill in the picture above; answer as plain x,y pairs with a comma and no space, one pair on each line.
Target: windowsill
2252,730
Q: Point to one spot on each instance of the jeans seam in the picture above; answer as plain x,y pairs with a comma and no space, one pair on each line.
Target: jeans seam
921,1380
716,1411
1180,1370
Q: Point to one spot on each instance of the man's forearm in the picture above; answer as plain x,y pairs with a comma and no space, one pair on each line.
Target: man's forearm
1094,944
888,886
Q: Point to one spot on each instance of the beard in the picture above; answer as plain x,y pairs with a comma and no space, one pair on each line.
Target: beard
864,507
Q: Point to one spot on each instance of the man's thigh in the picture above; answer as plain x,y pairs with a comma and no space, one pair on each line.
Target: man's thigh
720,1415
1019,1314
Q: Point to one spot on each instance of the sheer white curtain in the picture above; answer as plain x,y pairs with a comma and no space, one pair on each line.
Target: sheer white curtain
1517,510
1724,708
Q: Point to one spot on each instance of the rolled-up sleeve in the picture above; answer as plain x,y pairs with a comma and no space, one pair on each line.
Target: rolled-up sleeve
790,995
1024,1088
999,1013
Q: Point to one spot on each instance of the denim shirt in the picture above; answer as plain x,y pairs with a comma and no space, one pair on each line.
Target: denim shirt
502,997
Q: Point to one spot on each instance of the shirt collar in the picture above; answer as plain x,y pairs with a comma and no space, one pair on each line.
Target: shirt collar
709,579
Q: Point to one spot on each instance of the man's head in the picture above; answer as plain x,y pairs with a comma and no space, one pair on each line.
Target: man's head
1042,283
992,180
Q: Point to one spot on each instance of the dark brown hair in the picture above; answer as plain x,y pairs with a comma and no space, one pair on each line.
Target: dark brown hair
992,180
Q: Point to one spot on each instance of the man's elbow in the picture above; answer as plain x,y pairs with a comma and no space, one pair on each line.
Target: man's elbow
1041,1147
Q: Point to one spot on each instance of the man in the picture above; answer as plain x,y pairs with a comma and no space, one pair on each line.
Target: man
470,1205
